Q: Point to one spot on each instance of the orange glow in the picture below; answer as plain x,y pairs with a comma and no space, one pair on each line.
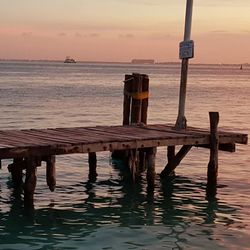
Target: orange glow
122,30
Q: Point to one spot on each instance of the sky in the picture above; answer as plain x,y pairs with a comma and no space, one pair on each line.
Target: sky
120,30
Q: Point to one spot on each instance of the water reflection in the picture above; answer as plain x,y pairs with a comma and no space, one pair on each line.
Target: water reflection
174,208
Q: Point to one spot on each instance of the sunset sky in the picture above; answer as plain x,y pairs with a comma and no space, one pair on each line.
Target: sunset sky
119,30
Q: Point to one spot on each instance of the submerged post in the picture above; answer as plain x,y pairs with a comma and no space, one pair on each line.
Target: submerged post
92,166
150,162
186,52
212,170
51,172
30,180
16,170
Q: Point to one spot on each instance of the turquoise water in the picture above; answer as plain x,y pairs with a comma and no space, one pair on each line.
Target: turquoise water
114,213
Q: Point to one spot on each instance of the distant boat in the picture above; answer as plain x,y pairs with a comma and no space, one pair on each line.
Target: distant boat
241,67
69,60
143,61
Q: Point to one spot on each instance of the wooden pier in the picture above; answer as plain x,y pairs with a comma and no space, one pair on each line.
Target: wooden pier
134,141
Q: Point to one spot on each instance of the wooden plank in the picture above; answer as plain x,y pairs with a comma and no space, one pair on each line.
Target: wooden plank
57,149
142,132
96,135
227,147
21,138
223,135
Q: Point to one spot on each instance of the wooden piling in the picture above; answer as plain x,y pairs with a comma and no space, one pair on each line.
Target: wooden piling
133,163
171,153
136,100
150,164
51,172
127,99
30,180
175,161
144,104
17,172
212,170
135,107
92,166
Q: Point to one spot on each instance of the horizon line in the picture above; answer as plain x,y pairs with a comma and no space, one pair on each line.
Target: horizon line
120,62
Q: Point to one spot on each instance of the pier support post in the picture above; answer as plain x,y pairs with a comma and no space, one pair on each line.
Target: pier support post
171,155
212,170
150,165
175,160
133,163
16,170
51,172
92,166
30,180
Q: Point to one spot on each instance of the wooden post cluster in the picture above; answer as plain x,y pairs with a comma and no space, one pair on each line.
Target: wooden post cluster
135,108
135,104
30,164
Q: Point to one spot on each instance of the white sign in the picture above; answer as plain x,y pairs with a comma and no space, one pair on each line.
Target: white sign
186,49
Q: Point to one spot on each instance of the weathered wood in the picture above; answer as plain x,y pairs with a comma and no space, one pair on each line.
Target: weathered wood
16,170
92,166
134,112
150,165
144,104
171,153
128,83
30,180
144,115
51,172
136,102
212,170
170,167
104,138
227,147
133,163
142,160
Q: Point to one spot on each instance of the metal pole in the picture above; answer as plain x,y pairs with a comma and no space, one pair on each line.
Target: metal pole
186,52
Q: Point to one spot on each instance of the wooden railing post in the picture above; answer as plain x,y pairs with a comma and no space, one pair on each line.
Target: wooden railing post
212,170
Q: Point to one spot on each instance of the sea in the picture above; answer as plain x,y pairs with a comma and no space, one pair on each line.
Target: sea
113,213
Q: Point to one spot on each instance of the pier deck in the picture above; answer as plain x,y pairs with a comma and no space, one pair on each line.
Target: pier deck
57,141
